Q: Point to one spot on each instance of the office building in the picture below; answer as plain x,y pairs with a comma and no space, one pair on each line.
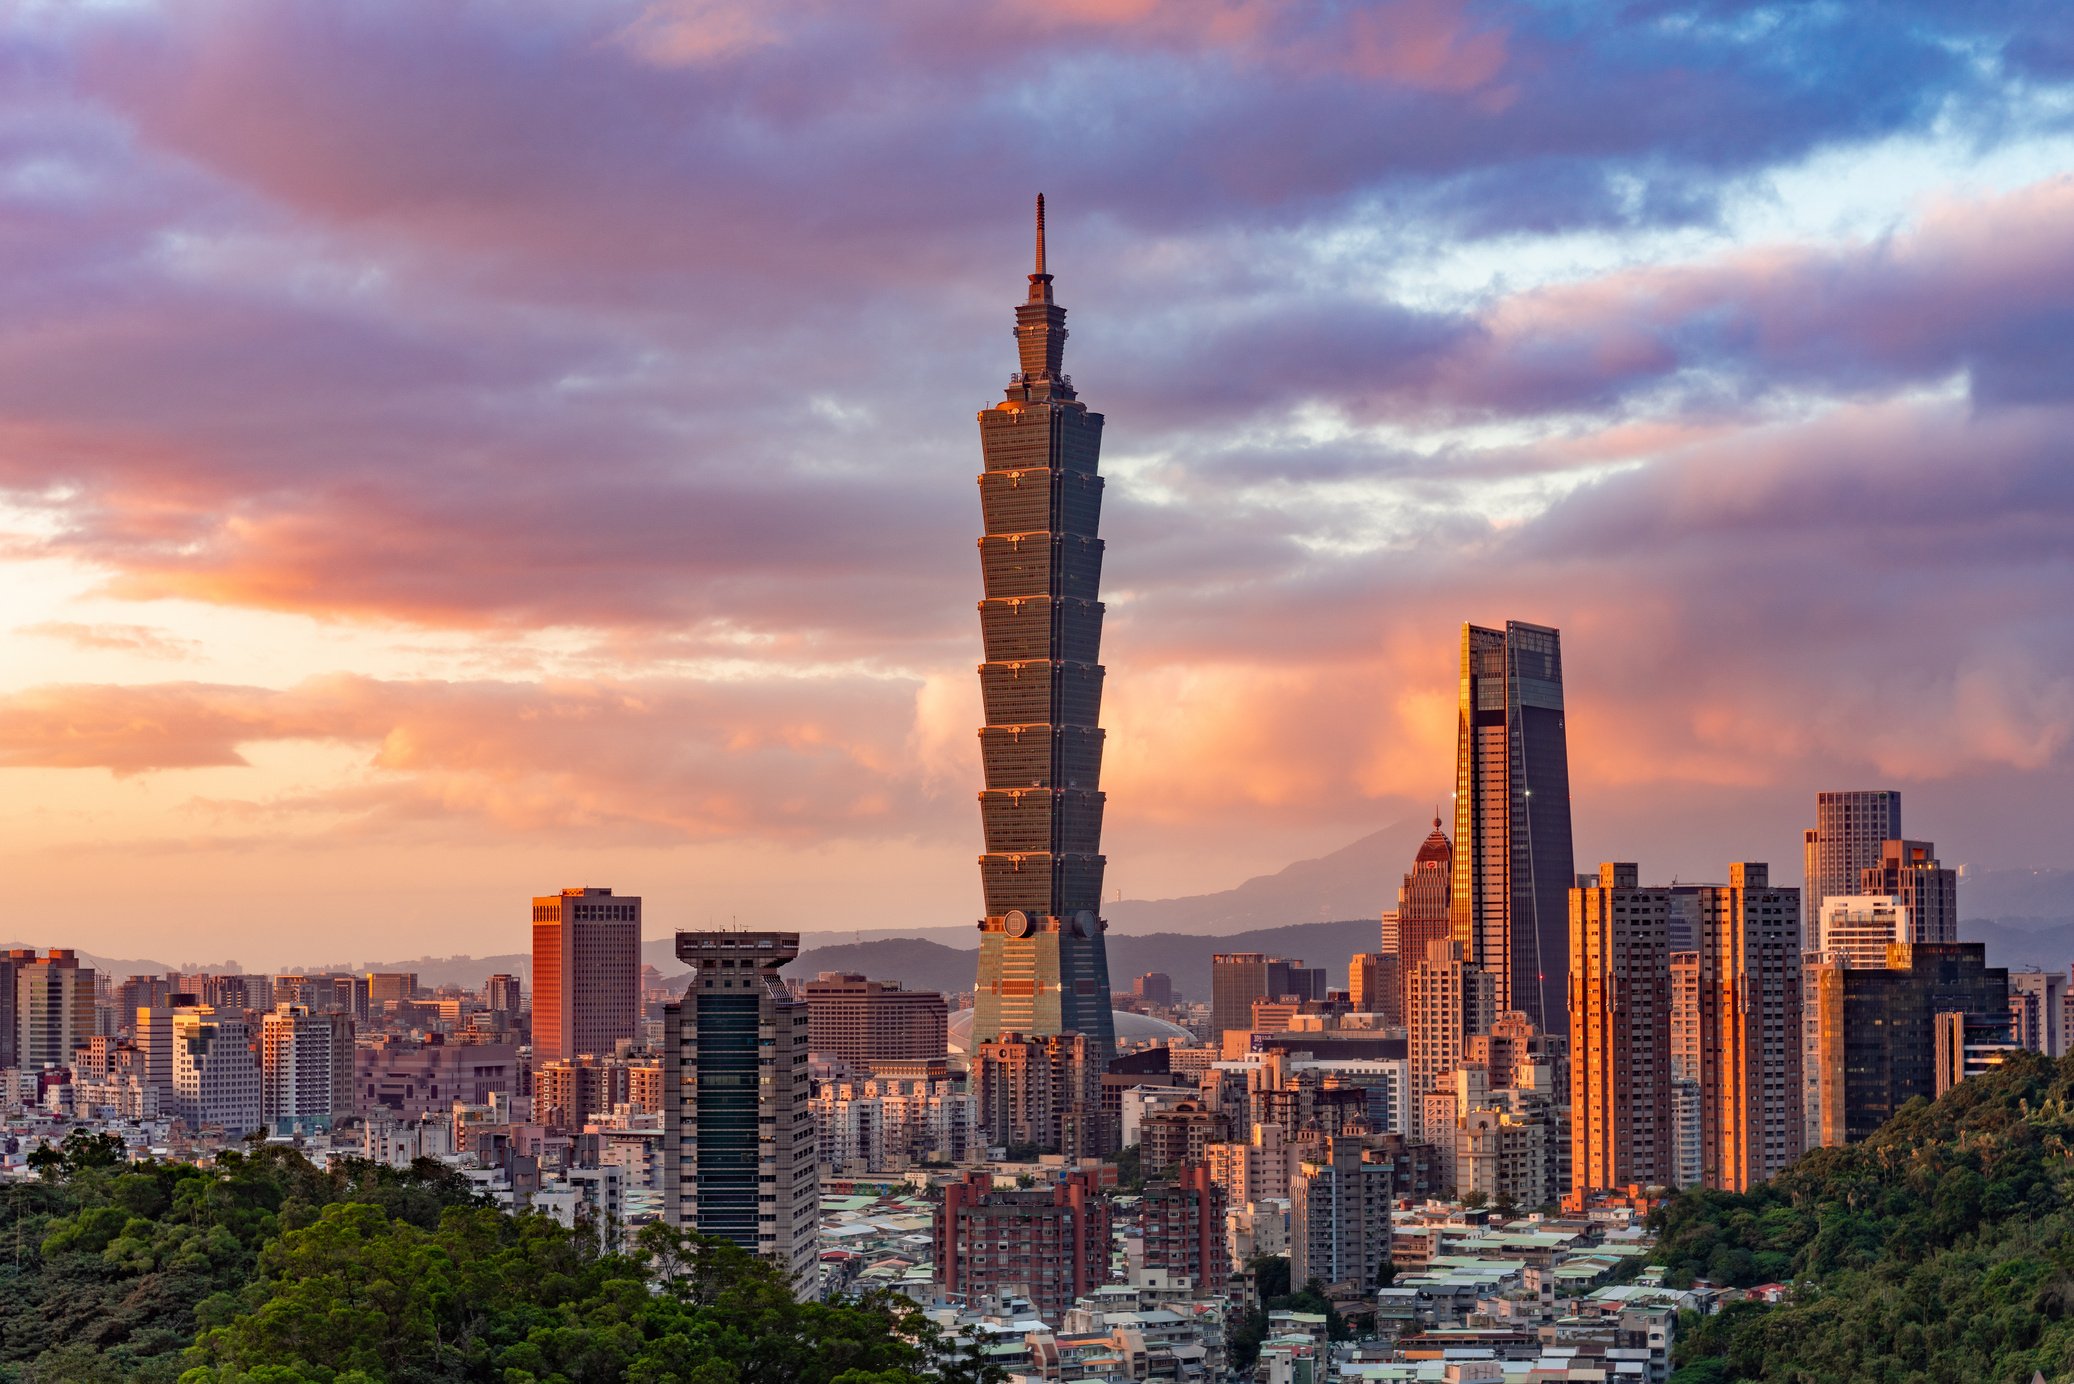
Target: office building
2037,1011
1512,860
1424,911
306,1065
1048,1244
216,1075
1857,929
1750,1025
502,994
1877,1037
1448,1001
1183,1220
586,973
1968,1045
1846,838
11,962
53,1007
1238,980
1340,1194
867,1023
1154,988
1621,1131
1043,964
1909,871
1374,987
738,1131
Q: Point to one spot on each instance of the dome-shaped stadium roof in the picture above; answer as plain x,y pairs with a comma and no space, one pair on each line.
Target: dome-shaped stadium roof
1132,1030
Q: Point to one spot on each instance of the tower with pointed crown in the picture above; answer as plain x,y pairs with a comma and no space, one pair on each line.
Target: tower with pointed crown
1043,964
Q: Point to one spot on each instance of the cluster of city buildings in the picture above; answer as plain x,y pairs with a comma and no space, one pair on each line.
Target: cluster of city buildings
1450,1151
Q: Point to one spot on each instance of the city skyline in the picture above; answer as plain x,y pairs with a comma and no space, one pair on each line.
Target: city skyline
573,493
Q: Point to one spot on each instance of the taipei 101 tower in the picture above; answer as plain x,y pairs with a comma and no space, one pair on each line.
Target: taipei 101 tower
1043,966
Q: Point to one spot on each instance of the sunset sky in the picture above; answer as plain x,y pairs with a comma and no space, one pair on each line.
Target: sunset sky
450,451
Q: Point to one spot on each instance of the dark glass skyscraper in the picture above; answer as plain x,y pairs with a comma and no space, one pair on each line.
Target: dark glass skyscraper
1043,966
1513,865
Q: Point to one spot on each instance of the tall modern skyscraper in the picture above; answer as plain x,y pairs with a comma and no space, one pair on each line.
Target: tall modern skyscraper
1849,828
738,1127
1513,867
586,973
1043,965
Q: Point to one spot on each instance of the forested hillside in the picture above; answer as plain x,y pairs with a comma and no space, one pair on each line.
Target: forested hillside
1941,1249
265,1270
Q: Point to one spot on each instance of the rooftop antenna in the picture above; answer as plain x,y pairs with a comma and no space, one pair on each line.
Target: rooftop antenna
1040,233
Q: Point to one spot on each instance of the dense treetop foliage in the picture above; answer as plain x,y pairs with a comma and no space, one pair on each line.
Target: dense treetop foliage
267,1270
1940,1249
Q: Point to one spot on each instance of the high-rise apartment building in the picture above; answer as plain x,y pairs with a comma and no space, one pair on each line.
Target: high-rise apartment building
1750,1025
586,973
866,1023
1424,912
1849,829
2037,1011
1877,1041
738,1131
1448,1000
53,1007
1621,1131
1042,1092
1909,872
1049,1243
1513,867
1183,1219
568,1094
1043,963
1340,1193
216,1074
305,1067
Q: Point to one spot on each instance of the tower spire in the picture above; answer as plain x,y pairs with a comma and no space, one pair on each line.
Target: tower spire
1040,333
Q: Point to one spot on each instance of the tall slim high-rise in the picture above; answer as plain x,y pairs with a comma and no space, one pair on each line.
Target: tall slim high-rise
1043,965
738,1128
1621,1129
586,973
1750,1025
1513,867
1850,826
1423,912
